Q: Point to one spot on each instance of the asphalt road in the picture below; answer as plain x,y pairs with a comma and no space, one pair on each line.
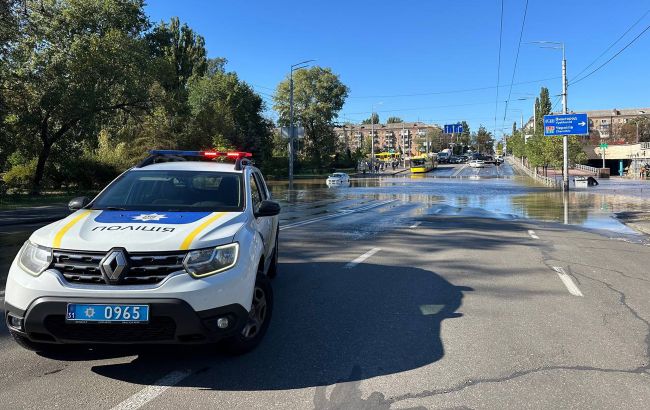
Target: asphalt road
389,303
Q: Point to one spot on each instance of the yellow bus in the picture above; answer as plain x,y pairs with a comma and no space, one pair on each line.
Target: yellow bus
422,163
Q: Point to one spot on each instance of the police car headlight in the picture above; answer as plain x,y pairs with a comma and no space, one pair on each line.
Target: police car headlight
206,262
34,259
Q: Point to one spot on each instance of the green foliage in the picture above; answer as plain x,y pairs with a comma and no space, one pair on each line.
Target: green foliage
374,119
482,140
394,120
88,87
20,176
319,95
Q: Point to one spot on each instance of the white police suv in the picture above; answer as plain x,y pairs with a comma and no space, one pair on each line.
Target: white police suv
178,249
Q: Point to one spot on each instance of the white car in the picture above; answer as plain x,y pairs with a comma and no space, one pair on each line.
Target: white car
338,179
178,249
477,163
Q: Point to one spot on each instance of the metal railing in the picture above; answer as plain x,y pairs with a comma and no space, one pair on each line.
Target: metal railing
553,182
587,168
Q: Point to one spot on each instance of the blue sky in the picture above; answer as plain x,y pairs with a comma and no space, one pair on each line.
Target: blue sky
387,52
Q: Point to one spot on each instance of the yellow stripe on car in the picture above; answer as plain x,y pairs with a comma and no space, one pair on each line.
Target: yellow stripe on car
59,235
188,240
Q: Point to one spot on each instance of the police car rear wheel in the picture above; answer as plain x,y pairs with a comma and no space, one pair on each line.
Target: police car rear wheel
258,320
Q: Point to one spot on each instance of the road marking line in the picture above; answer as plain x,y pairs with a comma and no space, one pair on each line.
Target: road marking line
415,225
532,234
455,174
568,282
149,393
362,258
334,215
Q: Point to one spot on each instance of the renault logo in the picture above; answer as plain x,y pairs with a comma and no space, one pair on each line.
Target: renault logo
114,265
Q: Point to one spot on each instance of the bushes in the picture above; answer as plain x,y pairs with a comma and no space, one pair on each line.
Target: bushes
20,176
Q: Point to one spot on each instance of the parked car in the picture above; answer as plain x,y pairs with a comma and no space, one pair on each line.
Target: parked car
179,249
477,163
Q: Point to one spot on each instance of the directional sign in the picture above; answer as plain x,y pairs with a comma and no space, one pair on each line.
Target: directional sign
453,128
566,124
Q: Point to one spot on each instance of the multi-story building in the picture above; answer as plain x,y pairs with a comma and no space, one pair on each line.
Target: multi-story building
396,137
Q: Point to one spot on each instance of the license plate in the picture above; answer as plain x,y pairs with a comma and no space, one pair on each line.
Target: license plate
107,313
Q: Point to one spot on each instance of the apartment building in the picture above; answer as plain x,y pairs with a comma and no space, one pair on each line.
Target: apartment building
397,137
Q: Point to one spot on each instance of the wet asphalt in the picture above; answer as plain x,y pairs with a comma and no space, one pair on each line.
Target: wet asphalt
462,301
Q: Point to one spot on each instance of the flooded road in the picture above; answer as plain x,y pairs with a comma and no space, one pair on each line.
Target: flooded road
495,192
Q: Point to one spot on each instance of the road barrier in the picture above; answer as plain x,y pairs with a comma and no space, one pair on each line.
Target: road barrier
553,182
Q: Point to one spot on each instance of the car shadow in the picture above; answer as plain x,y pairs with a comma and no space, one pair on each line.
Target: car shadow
330,325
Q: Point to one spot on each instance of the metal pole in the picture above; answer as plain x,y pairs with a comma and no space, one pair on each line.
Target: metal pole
291,129
565,139
372,140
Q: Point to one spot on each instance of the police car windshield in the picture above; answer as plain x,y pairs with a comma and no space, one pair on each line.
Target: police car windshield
188,191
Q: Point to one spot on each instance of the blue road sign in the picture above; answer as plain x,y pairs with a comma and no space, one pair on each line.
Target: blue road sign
566,124
453,128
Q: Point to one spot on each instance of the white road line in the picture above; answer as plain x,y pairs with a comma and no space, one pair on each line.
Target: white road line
415,225
532,234
334,215
568,282
362,258
149,393
455,174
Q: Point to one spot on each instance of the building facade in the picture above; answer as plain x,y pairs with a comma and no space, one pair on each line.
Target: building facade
405,137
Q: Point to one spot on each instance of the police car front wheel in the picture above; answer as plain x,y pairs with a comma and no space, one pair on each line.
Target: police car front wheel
258,319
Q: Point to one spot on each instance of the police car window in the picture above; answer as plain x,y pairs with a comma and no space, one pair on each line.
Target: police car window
173,191
261,186
255,193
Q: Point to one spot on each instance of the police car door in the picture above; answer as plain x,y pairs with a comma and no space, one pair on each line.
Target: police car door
264,223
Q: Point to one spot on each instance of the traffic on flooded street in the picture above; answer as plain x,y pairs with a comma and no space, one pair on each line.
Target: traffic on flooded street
368,205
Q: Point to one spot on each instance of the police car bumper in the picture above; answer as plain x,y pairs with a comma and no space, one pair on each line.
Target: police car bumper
181,309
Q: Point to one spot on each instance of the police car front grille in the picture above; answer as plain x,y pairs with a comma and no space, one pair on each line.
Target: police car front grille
144,268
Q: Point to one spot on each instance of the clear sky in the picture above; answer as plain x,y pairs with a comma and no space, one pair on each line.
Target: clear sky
407,58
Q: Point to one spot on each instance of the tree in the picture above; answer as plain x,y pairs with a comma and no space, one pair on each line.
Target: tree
226,114
542,107
465,137
393,120
374,119
483,140
73,62
319,95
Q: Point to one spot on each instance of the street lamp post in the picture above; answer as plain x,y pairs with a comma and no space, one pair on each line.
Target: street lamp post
294,67
565,138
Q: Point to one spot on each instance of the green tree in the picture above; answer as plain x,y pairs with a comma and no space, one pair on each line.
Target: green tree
226,113
319,95
374,119
465,137
483,140
393,120
74,62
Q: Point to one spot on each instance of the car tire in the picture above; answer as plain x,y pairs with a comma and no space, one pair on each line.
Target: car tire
273,267
257,322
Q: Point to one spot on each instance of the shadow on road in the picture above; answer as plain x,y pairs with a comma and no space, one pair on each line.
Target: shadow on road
330,325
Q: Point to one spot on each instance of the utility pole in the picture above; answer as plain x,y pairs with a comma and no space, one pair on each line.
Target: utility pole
565,139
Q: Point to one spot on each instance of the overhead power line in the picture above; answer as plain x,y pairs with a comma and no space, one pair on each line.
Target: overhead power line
496,99
459,91
612,57
514,70
611,45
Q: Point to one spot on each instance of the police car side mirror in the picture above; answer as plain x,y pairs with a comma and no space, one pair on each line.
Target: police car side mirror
267,208
78,203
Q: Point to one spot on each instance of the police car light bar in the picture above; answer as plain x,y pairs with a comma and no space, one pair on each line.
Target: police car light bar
207,154
177,155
